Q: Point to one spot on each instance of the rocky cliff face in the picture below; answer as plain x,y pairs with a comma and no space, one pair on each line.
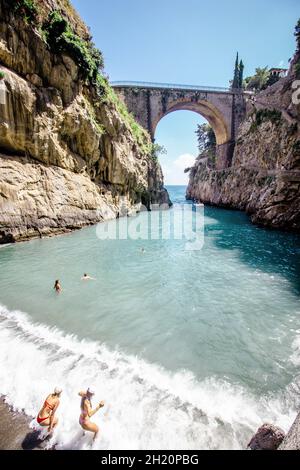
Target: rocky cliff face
67,155
292,439
264,178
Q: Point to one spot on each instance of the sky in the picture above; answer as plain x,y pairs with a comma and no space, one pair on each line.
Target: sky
188,42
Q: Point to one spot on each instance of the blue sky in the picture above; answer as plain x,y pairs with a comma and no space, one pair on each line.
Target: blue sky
188,42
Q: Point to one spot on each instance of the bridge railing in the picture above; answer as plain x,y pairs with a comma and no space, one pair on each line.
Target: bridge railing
128,84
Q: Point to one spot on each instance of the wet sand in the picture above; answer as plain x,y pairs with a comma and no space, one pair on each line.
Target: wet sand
15,433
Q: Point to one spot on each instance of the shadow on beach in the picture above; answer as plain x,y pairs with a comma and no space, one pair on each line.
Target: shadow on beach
15,432
34,441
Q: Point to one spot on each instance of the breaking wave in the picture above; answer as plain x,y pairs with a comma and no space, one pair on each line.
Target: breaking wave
146,407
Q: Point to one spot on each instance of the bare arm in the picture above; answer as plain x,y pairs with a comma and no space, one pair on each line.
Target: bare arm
93,412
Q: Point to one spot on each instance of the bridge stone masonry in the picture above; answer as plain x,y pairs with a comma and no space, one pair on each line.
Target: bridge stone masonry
223,108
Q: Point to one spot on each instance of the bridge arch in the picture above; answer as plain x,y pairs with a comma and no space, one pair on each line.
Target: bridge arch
223,108
206,109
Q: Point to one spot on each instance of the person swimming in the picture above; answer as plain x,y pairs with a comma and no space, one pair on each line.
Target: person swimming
87,412
57,287
87,278
46,416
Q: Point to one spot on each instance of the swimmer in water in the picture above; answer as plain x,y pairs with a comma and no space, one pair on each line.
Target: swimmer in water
87,412
57,287
46,416
87,278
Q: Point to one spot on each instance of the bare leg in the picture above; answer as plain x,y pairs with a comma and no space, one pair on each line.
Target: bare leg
91,427
55,423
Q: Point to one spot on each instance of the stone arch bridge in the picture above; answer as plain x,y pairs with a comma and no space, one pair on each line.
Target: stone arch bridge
223,108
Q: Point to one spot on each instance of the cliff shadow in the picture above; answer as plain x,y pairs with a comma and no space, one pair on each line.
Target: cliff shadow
271,251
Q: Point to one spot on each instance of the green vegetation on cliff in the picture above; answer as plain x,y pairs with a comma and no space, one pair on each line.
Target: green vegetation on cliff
26,8
296,147
207,145
206,138
156,151
108,96
272,115
264,115
61,38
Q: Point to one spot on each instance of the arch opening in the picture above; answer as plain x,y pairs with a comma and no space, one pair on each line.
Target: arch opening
176,133
206,110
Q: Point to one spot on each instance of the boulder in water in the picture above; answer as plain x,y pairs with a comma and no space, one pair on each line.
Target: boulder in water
268,437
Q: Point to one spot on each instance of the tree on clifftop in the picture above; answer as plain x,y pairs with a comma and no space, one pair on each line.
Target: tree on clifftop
259,80
236,77
241,74
297,33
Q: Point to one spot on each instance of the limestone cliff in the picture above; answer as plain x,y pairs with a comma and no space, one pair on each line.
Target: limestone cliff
68,150
292,439
264,178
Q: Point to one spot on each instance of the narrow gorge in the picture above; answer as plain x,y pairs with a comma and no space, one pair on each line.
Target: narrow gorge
180,320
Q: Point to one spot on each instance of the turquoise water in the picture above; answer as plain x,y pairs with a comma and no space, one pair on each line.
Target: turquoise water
211,337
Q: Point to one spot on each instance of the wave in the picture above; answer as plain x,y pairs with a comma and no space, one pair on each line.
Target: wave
147,407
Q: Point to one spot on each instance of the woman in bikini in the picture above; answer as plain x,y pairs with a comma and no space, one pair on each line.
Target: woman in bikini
46,416
87,412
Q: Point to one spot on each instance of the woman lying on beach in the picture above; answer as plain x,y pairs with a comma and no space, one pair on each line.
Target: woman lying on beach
87,412
46,416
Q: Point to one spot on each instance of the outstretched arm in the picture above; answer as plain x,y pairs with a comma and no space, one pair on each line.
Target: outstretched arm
93,412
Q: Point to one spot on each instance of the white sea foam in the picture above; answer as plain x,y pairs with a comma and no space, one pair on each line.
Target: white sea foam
146,406
295,357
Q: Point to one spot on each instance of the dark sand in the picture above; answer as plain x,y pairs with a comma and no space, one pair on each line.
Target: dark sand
15,433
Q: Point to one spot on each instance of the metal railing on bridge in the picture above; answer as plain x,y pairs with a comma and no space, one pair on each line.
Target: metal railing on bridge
174,86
